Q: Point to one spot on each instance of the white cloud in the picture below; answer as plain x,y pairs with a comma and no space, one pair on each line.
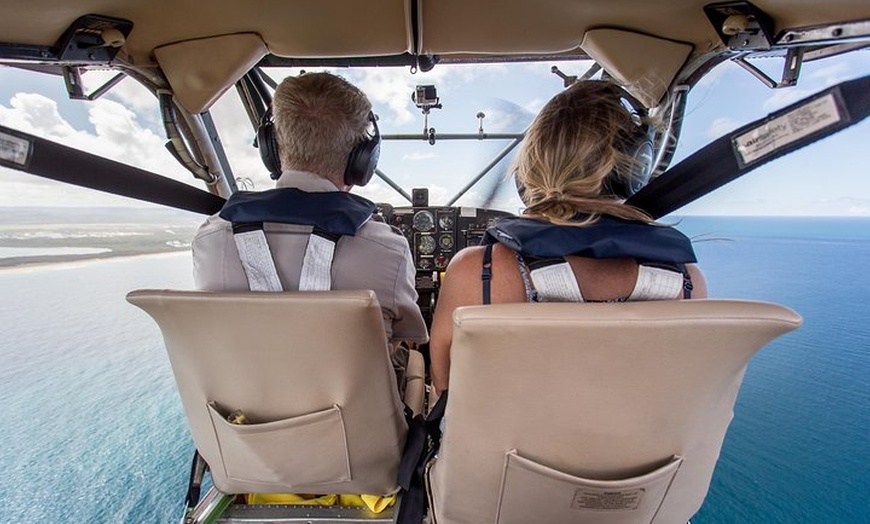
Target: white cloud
378,191
506,117
417,156
534,107
831,74
35,114
714,77
721,126
783,97
118,135
128,91
237,137
393,88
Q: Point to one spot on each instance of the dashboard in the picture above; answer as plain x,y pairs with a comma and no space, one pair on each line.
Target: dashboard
435,234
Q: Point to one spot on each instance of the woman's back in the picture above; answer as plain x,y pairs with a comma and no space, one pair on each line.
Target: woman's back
598,279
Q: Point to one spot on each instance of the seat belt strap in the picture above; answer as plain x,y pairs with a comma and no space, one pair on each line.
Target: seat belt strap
256,257
753,145
419,453
38,156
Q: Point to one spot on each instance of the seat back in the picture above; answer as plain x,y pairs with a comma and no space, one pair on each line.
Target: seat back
593,413
309,371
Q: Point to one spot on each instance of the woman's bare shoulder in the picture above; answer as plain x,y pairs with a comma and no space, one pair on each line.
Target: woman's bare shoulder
466,259
699,282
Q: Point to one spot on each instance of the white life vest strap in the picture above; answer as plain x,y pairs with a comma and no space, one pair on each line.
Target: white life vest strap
257,259
556,283
259,266
655,283
317,264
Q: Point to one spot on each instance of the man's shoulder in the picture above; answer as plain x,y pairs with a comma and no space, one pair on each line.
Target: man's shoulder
383,234
212,225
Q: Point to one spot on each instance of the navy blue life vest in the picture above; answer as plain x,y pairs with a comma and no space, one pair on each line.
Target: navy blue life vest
543,245
333,212
607,238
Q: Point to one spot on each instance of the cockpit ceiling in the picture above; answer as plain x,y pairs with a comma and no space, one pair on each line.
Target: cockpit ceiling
378,28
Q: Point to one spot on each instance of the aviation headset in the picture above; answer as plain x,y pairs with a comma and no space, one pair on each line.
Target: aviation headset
361,162
638,146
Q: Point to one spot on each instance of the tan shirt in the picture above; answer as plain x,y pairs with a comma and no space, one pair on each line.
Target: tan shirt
376,258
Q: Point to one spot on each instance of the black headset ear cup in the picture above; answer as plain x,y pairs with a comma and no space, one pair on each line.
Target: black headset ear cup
640,147
521,189
363,158
267,143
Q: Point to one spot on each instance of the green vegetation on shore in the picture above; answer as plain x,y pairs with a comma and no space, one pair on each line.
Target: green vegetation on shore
118,239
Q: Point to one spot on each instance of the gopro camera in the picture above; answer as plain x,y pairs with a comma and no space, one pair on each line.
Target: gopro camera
424,96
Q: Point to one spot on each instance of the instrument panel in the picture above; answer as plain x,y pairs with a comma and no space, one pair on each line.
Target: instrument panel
435,234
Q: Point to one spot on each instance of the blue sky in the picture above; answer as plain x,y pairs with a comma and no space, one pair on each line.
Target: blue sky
827,178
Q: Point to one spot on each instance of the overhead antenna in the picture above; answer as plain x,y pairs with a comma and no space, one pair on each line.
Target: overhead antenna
568,80
573,79
425,97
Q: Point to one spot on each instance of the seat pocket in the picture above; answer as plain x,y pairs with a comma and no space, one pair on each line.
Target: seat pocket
532,492
306,450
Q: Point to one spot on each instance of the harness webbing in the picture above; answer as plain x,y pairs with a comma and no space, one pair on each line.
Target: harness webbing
486,274
554,281
259,265
317,263
655,283
256,257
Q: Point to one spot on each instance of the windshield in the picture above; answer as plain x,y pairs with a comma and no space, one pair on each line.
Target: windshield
822,179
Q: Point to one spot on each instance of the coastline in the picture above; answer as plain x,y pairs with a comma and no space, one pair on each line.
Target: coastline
73,261
44,245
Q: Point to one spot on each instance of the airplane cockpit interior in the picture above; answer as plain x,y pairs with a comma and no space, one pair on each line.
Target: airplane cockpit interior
602,411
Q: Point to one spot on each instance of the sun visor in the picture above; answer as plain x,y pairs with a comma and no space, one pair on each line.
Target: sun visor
199,71
645,65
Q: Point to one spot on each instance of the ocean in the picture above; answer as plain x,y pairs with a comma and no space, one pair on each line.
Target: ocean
92,427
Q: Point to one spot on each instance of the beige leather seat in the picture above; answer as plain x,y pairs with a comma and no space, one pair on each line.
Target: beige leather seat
311,373
592,413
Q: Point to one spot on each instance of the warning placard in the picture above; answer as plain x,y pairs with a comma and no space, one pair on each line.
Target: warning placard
784,130
13,149
601,500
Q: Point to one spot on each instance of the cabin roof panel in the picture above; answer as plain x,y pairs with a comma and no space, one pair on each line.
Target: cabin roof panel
310,32
349,28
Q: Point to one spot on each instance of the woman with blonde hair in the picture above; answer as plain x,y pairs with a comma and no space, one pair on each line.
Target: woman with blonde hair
585,153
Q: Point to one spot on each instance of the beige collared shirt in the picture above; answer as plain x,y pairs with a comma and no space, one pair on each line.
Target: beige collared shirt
376,258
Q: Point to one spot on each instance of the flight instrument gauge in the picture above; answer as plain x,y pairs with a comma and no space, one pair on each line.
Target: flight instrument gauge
445,222
426,245
446,242
424,221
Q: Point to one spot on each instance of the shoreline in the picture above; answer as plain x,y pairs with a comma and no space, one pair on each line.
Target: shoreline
42,265
61,242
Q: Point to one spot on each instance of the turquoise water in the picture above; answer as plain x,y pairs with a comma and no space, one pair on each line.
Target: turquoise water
93,429
92,426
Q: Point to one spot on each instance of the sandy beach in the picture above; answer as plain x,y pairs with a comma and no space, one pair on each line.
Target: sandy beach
42,244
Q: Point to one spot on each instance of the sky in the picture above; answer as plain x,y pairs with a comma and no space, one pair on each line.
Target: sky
827,178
